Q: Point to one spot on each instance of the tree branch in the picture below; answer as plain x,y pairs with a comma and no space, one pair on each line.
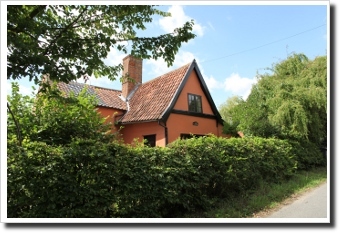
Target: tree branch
16,124
34,13
65,29
37,10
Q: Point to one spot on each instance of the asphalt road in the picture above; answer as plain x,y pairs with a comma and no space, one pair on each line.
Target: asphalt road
312,204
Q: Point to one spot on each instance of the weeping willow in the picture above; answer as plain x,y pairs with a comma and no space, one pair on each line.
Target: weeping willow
292,100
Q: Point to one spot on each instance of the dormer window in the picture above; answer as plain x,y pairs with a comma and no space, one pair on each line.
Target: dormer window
195,103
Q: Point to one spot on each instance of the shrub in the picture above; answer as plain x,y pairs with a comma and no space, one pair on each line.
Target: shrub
89,178
54,118
308,155
60,182
238,164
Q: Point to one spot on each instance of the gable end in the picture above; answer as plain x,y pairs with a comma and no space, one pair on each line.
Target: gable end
205,89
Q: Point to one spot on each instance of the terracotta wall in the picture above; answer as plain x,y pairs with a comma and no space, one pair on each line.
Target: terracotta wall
177,124
192,86
182,124
111,114
139,130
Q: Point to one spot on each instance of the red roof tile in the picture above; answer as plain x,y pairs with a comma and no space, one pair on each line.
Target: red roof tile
149,102
106,97
151,99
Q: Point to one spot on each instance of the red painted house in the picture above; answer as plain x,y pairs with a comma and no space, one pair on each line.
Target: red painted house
176,104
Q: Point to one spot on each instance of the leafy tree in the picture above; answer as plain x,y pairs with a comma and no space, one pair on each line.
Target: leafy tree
289,103
227,110
70,41
56,119
19,117
299,106
252,115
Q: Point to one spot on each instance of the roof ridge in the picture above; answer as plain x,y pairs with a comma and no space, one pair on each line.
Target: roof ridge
171,71
144,106
188,64
83,84
111,89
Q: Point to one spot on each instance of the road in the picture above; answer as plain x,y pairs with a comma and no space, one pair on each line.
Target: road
312,204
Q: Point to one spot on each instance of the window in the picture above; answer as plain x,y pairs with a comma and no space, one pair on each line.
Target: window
150,140
195,103
188,136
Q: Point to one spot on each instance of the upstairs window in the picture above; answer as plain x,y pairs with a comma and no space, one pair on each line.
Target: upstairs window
195,103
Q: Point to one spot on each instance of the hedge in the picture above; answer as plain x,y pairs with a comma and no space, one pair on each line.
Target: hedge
88,178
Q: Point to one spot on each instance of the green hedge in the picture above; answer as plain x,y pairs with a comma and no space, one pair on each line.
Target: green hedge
68,182
308,155
238,164
92,179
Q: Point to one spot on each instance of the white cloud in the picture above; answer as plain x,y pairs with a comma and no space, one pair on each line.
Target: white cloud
211,82
177,19
183,57
102,82
115,57
159,67
238,85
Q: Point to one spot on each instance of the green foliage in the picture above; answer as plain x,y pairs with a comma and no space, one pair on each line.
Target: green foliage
230,129
291,103
21,111
252,115
56,119
308,155
227,111
60,182
140,186
301,99
90,178
62,118
70,41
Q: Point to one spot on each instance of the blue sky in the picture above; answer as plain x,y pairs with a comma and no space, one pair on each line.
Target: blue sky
234,43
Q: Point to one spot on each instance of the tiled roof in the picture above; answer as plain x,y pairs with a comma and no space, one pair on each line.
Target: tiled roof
149,101
152,98
106,97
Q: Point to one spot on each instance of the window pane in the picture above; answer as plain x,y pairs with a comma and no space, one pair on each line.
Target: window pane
192,103
150,140
195,103
198,104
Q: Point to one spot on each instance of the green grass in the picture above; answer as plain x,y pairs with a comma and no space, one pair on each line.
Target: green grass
264,197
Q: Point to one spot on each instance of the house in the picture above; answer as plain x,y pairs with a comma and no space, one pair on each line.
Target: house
176,104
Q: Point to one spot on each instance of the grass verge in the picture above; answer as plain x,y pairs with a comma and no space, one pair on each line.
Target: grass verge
268,196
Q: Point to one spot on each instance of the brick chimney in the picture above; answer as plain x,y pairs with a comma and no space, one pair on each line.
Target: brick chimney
132,69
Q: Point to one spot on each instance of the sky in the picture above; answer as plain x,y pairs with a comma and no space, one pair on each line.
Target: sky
234,43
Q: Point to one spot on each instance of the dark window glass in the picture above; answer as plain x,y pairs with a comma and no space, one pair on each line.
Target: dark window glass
195,103
188,136
150,140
